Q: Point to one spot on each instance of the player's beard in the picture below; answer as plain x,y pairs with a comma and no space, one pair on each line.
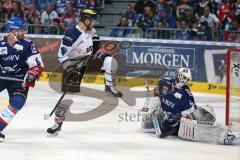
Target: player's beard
21,33
94,23
20,36
88,26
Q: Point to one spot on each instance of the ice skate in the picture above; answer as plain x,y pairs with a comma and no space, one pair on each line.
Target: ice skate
112,91
2,136
55,129
229,139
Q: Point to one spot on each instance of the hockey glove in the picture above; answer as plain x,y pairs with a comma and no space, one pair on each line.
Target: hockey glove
32,75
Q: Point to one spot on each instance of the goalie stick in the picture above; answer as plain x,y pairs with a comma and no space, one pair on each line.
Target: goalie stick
47,116
156,124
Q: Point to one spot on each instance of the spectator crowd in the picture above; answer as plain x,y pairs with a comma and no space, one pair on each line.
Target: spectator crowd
190,19
187,19
61,14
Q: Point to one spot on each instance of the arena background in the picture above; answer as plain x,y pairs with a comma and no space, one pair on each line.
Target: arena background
148,58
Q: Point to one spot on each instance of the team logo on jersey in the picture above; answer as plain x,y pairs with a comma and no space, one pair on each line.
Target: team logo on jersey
168,102
63,50
11,58
3,51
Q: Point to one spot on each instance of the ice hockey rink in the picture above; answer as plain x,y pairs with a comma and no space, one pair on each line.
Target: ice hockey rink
108,137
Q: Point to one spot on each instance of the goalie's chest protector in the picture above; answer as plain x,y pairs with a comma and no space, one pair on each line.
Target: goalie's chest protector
177,101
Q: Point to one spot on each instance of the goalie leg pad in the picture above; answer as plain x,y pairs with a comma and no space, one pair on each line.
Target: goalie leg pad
200,131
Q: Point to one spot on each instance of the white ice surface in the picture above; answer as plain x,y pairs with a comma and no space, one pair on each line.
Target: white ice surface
104,138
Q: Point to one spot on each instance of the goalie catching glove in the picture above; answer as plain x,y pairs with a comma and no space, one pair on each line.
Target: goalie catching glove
203,113
32,75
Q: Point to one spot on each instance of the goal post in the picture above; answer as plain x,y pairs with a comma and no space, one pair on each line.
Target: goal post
233,88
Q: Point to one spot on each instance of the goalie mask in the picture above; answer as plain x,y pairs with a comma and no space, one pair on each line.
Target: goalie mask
183,77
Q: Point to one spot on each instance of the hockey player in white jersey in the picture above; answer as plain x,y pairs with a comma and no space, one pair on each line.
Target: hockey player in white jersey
173,112
78,43
20,66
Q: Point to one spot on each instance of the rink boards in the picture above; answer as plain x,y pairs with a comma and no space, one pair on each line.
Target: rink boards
202,87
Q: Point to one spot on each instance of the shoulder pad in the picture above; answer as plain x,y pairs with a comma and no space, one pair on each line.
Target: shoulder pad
71,36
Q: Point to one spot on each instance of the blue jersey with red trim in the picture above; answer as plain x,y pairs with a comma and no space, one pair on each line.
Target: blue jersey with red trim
16,60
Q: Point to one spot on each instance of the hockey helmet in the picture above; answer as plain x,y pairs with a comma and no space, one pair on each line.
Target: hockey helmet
87,14
16,23
183,76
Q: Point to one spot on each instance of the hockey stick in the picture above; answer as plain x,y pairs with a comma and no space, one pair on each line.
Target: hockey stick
47,116
156,124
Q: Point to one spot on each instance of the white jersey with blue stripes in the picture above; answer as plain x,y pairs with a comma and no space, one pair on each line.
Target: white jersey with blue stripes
76,43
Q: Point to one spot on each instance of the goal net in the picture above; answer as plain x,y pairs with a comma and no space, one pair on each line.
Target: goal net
233,89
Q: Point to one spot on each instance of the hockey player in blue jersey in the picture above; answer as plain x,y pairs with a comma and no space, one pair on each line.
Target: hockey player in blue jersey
20,66
172,111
